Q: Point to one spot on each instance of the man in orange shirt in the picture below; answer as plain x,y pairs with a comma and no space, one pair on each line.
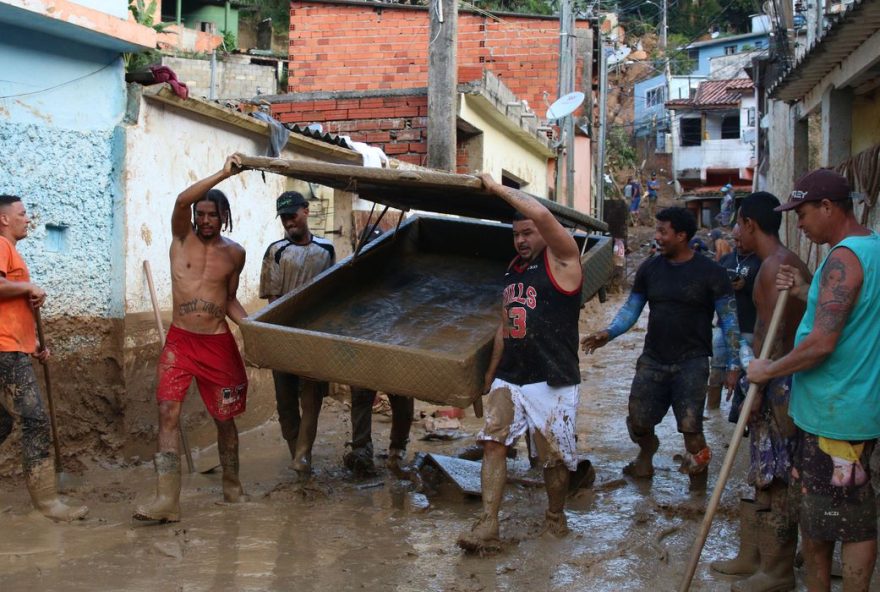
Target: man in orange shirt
19,395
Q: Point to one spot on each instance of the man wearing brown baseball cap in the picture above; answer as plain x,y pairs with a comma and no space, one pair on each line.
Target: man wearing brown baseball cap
836,369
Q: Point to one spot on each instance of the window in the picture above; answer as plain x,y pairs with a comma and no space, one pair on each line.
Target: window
729,49
661,141
691,131
655,96
750,117
730,127
207,27
694,54
759,44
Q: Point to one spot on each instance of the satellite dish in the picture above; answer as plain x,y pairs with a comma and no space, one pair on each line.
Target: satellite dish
565,105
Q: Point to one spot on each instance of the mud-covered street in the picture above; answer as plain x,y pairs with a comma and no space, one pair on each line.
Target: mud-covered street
339,533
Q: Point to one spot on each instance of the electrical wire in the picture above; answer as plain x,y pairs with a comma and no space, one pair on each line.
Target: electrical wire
53,87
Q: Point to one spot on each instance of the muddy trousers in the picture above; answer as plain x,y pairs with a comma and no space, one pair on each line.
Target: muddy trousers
402,412
291,393
20,402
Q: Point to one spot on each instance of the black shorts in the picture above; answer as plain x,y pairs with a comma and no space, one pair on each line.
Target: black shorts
828,512
657,387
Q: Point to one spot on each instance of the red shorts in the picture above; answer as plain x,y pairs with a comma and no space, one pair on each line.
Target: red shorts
216,364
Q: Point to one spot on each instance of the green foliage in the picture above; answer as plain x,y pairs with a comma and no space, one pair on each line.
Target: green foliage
518,6
143,15
229,41
277,10
679,62
620,152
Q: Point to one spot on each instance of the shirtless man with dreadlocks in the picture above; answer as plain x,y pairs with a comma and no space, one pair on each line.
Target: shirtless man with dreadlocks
205,269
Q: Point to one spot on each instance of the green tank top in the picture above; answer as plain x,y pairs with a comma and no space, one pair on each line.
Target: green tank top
840,398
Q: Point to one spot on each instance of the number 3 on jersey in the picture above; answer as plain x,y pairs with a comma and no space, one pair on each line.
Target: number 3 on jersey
516,327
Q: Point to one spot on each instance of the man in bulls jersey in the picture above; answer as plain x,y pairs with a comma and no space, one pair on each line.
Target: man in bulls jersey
684,292
533,376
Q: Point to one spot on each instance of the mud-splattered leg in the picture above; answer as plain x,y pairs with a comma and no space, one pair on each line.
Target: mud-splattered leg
287,404
21,401
402,412
817,557
310,397
227,446
643,465
359,460
556,477
858,565
483,536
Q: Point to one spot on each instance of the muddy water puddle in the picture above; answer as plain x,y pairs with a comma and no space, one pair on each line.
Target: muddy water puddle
433,302
345,534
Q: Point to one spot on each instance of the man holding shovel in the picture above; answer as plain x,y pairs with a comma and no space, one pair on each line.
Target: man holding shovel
768,536
834,392
533,376
205,270
19,395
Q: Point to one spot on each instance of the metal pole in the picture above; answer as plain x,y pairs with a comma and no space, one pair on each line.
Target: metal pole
179,11
603,119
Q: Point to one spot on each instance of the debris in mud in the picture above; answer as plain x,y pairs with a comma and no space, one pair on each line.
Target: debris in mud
308,491
173,549
656,542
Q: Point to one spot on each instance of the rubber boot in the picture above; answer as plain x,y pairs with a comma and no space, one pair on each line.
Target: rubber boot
713,396
777,542
395,461
166,506
233,492
41,485
747,560
642,466
310,398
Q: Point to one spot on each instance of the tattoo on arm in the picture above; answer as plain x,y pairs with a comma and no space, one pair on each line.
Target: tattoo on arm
837,296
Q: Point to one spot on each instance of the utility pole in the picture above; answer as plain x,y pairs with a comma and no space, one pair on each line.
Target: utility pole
442,84
565,85
603,127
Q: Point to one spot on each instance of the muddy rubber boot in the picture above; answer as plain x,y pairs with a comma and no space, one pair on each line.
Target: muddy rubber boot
777,541
556,524
233,492
482,537
395,461
310,400
747,560
713,397
642,467
166,506
41,485
360,461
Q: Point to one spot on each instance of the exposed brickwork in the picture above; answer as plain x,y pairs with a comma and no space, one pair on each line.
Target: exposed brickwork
345,47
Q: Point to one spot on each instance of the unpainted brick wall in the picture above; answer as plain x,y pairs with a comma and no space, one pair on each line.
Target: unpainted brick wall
396,124
344,47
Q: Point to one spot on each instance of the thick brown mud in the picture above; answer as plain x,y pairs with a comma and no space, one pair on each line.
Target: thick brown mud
337,533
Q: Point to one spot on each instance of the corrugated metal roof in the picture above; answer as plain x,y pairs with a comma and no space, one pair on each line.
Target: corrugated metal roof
728,39
315,134
847,32
716,93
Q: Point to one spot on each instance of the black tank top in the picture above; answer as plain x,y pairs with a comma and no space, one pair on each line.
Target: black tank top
541,334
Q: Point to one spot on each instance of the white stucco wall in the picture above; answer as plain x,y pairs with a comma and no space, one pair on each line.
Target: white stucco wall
166,151
502,151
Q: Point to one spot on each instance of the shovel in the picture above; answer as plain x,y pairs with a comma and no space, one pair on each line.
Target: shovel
63,481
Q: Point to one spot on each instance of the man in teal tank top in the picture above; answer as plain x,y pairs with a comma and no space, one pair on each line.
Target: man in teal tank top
835,398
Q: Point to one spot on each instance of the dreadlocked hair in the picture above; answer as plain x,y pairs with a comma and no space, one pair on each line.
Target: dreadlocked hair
219,199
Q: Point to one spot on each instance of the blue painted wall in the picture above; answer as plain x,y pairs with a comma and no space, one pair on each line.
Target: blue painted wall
61,104
707,52
644,116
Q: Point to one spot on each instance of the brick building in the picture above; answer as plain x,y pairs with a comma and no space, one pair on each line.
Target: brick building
361,70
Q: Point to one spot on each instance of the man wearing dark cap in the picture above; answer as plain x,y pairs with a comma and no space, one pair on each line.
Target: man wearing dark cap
834,391
288,264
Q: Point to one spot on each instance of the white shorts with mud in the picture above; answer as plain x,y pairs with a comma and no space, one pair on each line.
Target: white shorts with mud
547,413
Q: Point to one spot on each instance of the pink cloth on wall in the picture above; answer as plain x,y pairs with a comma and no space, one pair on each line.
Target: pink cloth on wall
166,74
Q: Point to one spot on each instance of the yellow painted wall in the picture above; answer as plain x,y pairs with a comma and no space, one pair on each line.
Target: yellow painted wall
865,122
505,151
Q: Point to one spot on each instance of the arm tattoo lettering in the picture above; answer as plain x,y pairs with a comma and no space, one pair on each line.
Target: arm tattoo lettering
199,305
836,297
